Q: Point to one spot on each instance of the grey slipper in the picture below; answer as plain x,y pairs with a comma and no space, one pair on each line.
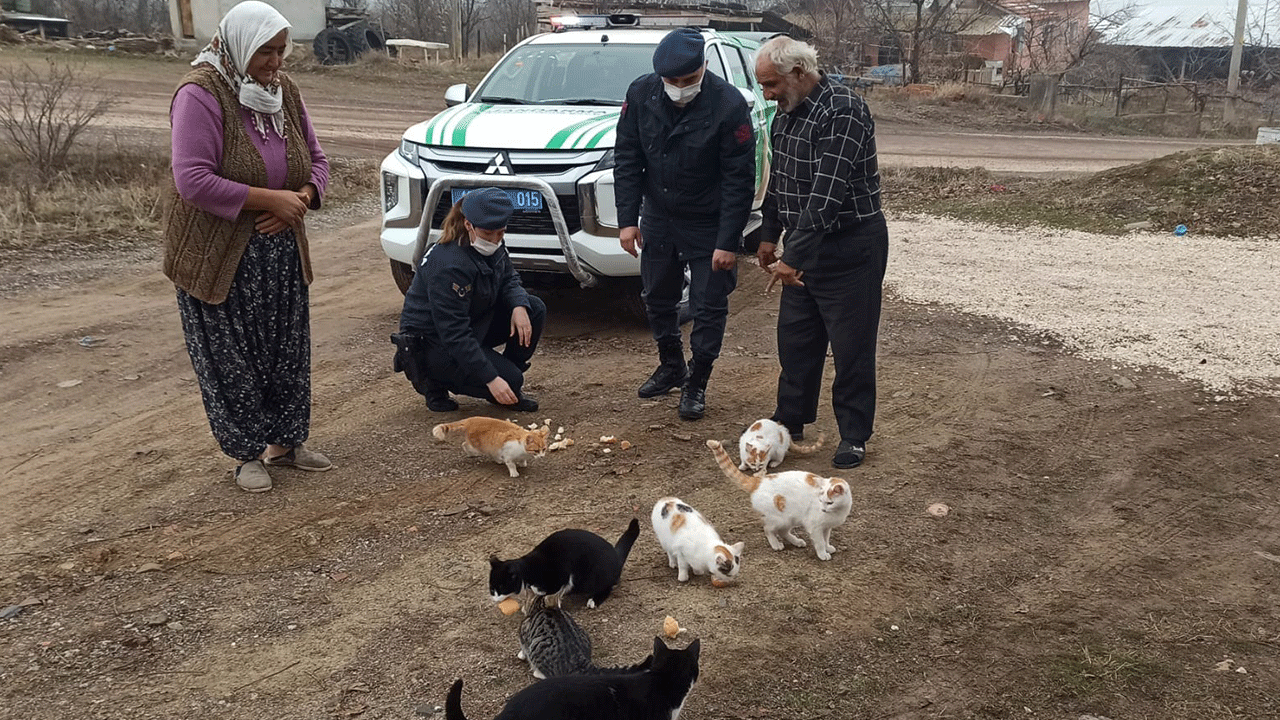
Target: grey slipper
301,458
253,477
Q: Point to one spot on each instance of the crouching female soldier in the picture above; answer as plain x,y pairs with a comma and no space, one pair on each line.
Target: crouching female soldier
466,298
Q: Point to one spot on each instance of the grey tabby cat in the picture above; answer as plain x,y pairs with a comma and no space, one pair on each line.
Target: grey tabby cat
555,644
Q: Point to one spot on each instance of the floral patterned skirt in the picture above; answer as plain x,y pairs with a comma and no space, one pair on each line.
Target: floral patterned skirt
252,352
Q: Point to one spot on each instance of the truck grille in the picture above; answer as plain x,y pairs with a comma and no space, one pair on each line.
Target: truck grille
529,223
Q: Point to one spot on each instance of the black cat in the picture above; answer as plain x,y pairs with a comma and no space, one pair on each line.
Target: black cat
568,562
657,693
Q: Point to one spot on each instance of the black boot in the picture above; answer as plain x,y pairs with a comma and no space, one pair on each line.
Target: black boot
438,399
693,396
671,373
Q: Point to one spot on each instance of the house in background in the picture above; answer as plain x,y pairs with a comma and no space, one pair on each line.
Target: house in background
1180,41
195,21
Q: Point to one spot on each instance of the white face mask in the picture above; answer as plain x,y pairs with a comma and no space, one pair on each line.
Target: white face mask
484,247
682,95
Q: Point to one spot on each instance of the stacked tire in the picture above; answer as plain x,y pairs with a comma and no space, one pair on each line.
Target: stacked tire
341,45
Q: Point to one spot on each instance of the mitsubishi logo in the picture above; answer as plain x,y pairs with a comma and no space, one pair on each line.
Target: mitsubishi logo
499,165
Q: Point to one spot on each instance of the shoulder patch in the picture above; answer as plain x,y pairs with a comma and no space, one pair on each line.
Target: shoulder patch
623,112
742,134
462,291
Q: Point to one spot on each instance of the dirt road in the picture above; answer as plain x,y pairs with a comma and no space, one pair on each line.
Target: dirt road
1108,545
364,117
1113,545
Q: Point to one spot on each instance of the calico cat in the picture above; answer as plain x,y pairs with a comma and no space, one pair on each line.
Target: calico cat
692,544
765,445
793,499
503,442
656,693
556,645
567,561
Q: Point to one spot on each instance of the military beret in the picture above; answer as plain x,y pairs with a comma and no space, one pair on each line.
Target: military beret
680,53
487,208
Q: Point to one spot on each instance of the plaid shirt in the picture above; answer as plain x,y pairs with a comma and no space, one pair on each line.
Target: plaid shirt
824,177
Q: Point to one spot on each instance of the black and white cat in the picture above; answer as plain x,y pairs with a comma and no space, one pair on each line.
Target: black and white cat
657,693
555,644
574,562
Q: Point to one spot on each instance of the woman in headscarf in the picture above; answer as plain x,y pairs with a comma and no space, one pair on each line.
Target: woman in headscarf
246,168
466,298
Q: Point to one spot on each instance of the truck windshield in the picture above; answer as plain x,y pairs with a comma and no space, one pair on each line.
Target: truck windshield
571,74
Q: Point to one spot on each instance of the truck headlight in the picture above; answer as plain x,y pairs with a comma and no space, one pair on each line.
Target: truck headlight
606,162
409,151
390,191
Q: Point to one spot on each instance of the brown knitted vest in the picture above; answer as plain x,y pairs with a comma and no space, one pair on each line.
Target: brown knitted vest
201,250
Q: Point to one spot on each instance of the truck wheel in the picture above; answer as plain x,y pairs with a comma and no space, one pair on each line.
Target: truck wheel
402,273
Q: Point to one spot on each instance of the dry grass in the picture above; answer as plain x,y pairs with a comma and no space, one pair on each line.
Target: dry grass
111,198
381,68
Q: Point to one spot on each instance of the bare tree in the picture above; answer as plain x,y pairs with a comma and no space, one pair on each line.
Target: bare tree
511,21
417,19
43,113
919,29
142,16
1057,44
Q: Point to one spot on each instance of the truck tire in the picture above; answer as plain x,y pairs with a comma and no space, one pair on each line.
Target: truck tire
333,47
358,35
402,273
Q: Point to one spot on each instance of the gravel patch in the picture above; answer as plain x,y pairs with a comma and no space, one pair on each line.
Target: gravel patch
1204,308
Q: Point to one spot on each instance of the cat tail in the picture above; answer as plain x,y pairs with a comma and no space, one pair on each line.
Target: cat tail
453,703
628,539
443,430
731,471
806,448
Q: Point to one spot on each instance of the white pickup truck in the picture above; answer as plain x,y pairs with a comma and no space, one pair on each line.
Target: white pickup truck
542,124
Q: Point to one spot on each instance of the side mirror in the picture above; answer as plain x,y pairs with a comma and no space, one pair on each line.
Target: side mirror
457,94
749,96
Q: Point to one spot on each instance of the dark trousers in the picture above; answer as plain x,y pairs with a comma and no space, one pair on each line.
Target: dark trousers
662,263
430,365
838,307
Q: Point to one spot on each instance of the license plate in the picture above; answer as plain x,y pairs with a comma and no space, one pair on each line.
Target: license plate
523,200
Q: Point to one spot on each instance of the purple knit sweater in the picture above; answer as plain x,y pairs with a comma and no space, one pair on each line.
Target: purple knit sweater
197,154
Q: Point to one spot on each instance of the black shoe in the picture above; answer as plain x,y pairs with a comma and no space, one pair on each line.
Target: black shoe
693,401
849,455
526,403
693,396
441,402
671,373
796,430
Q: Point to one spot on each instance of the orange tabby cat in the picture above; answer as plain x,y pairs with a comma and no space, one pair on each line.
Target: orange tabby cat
503,442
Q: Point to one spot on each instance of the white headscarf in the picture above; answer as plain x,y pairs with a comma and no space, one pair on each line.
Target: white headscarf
243,30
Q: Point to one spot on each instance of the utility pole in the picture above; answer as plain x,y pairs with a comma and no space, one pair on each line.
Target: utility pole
1237,53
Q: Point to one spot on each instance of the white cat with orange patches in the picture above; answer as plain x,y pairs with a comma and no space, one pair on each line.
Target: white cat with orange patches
765,444
502,442
792,499
692,544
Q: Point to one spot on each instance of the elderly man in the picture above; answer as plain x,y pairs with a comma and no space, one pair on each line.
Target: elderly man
824,191
685,146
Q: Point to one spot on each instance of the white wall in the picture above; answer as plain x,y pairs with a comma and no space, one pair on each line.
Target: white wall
306,17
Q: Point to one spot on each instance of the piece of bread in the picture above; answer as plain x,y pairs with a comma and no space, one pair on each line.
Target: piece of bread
509,606
670,627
